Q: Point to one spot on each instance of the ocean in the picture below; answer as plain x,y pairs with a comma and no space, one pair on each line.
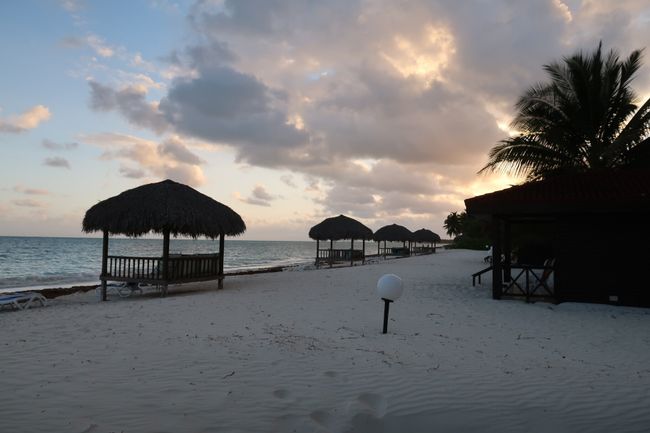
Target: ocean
42,262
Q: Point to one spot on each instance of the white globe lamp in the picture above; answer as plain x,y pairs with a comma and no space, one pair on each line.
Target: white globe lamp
389,289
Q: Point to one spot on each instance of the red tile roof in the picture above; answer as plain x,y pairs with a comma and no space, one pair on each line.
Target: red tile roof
599,191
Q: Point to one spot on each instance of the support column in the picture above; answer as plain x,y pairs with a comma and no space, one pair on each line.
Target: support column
497,273
221,245
331,252
351,252
363,249
104,264
507,250
317,248
165,261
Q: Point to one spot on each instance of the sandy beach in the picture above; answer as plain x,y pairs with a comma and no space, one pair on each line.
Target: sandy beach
303,352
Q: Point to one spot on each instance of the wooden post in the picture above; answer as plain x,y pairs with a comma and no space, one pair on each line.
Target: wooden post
317,248
165,261
497,283
363,248
221,246
331,252
378,248
104,263
384,249
507,250
351,252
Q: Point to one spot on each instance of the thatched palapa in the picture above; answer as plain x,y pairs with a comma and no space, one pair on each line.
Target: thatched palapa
393,233
337,228
428,237
169,208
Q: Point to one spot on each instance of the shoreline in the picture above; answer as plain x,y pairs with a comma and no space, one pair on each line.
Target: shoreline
54,292
51,291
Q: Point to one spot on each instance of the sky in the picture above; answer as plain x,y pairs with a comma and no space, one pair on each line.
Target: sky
288,111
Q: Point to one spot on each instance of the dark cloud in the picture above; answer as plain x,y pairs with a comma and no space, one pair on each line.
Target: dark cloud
131,172
259,197
49,144
179,152
130,102
288,180
224,105
57,161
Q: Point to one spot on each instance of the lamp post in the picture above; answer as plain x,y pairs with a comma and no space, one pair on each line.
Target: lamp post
389,288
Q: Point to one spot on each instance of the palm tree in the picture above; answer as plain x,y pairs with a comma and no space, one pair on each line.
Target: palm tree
584,118
452,224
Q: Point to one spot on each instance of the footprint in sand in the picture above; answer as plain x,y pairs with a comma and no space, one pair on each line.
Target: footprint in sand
281,393
323,418
375,402
330,374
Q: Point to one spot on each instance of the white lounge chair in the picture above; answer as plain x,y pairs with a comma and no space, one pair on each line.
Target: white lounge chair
22,301
124,290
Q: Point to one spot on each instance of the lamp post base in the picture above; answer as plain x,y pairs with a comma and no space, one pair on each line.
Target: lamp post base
386,307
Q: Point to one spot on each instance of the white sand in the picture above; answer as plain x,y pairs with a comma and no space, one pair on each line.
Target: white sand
303,351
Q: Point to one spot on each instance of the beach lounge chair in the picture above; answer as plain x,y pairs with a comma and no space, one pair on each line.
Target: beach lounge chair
124,290
22,301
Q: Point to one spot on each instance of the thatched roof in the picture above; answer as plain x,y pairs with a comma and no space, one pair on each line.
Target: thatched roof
424,235
393,233
165,205
340,227
597,191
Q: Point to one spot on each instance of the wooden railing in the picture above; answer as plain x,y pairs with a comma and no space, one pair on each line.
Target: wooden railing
423,250
182,268
394,251
338,255
530,282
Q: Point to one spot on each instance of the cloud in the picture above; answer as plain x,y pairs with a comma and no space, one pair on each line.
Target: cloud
57,161
30,191
140,158
49,144
131,172
288,180
28,203
71,5
92,41
259,197
177,150
130,102
384,108
224,105
30,119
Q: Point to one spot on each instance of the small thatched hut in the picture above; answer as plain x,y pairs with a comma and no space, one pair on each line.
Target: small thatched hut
168,208
393,233
425,236
338,228
592,228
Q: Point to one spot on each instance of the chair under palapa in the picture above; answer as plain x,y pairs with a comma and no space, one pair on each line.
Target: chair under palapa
167,208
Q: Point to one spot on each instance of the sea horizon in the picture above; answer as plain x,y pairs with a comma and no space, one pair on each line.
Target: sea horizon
43,262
